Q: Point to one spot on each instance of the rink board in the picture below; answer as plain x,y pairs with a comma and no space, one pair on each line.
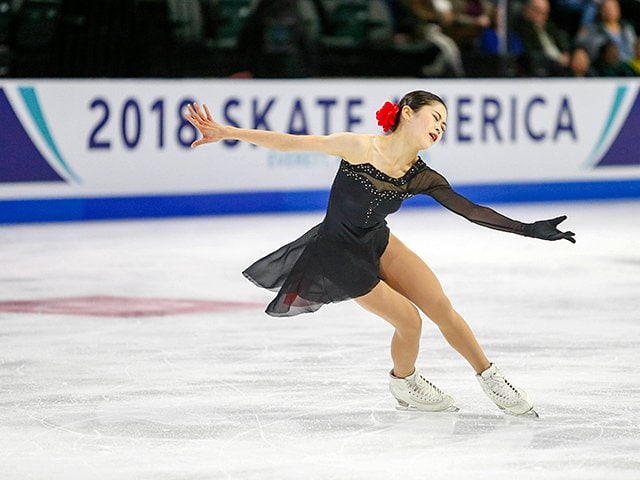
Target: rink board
97,149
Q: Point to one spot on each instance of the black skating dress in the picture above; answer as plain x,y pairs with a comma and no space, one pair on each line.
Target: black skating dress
339,259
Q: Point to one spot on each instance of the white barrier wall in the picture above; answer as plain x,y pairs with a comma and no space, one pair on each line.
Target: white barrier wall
100,149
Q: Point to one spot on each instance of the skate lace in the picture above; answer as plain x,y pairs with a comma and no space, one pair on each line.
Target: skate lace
424,389
501,387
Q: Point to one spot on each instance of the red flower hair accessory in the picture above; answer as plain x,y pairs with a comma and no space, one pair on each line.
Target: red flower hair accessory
386,116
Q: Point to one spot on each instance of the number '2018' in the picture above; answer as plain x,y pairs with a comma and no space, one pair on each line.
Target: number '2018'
132,124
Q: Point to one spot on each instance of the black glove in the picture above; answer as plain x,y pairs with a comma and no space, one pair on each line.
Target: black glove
546,230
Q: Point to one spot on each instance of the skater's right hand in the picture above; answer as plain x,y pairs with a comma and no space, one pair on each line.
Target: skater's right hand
210,130
547,230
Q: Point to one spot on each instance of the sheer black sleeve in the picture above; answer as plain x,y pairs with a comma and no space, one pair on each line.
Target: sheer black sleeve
436,186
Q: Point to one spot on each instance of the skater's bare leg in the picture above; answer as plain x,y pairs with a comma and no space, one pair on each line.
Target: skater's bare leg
410,389
405,318
406,273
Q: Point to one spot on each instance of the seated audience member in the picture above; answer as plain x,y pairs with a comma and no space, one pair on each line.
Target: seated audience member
276,40
610,27
470,19
429,17
580,64
546,46
609,64
489,40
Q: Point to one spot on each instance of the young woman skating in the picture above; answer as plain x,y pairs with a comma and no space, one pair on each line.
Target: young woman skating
352,254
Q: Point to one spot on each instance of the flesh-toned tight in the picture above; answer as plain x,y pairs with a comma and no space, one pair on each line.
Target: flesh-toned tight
410,283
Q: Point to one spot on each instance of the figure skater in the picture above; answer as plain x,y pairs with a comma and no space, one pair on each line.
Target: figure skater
352,254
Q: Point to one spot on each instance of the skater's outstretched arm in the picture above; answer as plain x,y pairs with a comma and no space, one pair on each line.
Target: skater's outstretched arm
435,185
543,229
485,216
345,145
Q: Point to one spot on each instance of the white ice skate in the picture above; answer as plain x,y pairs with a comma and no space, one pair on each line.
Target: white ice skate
417,393
508,398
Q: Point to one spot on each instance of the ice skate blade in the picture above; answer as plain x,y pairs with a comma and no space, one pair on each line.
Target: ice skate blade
405,407
530,414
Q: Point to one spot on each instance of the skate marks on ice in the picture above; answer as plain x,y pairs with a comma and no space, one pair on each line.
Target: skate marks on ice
341,441
200,406
251,441
221,394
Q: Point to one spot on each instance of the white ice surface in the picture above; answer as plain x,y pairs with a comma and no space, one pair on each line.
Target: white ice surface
241,395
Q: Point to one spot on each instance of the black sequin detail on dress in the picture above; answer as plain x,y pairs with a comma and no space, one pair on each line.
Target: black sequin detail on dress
339,259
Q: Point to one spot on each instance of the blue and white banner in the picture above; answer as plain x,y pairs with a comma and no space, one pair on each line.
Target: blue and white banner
101,139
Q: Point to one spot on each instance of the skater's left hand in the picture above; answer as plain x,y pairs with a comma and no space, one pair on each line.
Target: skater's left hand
547,230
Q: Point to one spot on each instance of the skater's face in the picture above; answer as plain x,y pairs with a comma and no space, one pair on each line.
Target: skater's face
427,124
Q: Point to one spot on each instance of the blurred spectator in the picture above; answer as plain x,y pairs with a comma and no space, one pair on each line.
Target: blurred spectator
381,23
610,27
609,64
281,39
580,64
489,40
635,61
187,21
470,19
429,17
546,46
